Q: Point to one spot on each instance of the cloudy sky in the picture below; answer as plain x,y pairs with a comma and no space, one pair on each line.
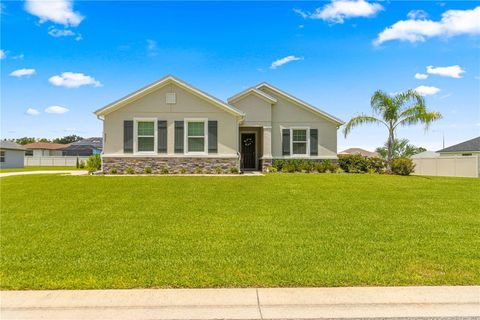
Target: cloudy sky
61,60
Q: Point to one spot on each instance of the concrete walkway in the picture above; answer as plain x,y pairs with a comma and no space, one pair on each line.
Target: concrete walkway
21,173
275,303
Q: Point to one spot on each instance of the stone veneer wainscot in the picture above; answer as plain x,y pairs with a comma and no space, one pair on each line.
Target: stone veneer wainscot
173,164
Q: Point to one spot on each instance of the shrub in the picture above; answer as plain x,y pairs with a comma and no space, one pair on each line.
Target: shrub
376,164
278,164
183,170
129,170
218,170
147,170
113,171
271,169
94,163
233,170
354,163
81,165
165,170
338,170
199,170
402,166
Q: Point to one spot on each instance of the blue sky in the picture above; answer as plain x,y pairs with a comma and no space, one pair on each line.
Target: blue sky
83,55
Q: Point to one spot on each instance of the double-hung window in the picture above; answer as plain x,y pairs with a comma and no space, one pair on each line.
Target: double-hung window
299,141
2,156
196,136
145,136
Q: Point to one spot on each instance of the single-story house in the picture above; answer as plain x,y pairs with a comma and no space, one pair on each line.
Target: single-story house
171,124
466,148
44,149
362,152
11,155
85,147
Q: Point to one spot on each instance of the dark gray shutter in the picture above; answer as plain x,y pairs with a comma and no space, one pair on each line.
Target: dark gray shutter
128,136
285,142
162,136
212,136
178,136
314,142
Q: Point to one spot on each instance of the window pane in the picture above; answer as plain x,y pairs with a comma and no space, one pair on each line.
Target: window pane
146,144
299,135
196,144
299,148
146,128
196,129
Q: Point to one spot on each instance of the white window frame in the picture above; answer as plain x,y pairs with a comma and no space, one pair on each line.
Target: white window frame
3,155
185,136
307,154
135,135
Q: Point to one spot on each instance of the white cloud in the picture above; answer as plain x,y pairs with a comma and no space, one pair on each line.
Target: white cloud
3,55
282,61
19,57
339,10
57,11
56,109
427,90
22,73
152,47
453,23
451,71
421,76
57,33
417,14
73,80
32,112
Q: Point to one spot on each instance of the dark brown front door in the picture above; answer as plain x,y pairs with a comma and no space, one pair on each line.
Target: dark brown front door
248,151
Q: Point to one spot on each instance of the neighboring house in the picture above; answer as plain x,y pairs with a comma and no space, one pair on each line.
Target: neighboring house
44,149
361,152
169,123
426,154
85,147
466,148
11,155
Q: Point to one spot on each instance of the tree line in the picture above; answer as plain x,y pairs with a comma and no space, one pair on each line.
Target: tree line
63,140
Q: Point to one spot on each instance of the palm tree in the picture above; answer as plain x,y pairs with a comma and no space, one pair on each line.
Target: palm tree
401,148
402,109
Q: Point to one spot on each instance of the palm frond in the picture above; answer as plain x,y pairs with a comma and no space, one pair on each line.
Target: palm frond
359,120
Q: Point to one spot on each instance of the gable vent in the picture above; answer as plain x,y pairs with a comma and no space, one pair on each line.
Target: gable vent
171,98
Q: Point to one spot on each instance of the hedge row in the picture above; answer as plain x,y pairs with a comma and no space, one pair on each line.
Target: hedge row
346,163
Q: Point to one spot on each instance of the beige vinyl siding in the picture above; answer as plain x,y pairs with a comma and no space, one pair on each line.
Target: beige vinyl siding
154,105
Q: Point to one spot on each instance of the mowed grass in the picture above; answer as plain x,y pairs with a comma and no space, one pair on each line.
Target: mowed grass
277,230
38,168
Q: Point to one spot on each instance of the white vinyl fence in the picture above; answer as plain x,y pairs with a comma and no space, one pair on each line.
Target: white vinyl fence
65,161
448,166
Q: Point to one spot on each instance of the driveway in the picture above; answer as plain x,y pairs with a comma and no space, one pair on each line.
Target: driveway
274,303
21,173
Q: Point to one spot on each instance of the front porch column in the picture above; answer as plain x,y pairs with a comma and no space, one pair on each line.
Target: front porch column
267,147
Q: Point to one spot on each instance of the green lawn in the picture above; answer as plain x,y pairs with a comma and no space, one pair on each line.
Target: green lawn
277,230
36,168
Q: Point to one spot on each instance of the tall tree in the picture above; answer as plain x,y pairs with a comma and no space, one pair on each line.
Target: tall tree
68,139
402,109
25,140
401,148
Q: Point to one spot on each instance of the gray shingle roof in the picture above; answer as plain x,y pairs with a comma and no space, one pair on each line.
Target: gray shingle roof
10,145
470,145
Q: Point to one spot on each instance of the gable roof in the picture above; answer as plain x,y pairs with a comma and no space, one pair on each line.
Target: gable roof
360,151
301,103
10,145
169,79
466,146
262,95
45,146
